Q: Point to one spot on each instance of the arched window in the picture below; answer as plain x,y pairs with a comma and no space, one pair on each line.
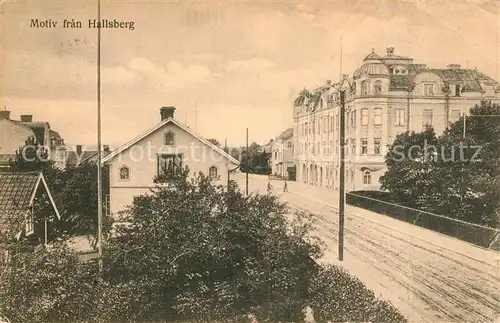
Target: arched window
124,173
377,87
169,138
212,172
367,177
289,144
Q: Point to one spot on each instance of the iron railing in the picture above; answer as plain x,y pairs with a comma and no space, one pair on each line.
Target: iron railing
477,234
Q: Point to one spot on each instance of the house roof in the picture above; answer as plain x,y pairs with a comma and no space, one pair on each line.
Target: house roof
6,158
72,158
470,79
18,191
160,125
286,134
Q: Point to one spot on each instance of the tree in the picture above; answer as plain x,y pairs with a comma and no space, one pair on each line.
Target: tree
470,170
193,251
461,179
410,159
214,141
197,251
74,189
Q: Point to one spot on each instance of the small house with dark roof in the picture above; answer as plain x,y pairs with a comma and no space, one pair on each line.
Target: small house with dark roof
27,209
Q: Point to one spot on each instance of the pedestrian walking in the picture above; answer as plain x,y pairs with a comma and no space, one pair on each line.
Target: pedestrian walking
269,187
285,187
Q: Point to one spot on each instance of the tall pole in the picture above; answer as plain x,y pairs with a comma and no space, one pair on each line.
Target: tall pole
342,175
247,167
341,76
99,169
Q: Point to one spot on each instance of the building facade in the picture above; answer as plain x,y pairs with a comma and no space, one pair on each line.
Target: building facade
385,96
282,153
14,133
164,149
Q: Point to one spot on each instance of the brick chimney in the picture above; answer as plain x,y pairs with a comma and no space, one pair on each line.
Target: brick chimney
5,114
26,118
329,82
167,112
78,149
105,148
390,51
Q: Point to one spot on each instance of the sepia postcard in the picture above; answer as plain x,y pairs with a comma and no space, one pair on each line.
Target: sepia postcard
249,161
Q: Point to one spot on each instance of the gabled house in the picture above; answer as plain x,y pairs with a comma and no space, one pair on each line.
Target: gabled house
164,150
27,206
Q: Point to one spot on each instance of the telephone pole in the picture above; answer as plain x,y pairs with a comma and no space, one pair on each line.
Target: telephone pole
342,175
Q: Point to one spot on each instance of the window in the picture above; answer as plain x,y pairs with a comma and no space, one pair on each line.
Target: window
364,117
400,117
169,138
353,119
457,89
289,144
212,172
364,146
169,164
364,88
367,177
353,147
426,118
29,222
124,173
352,176
376,146
377,87
377,118
454,115
429,89
325,124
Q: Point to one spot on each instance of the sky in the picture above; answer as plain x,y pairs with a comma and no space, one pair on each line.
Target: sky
225,66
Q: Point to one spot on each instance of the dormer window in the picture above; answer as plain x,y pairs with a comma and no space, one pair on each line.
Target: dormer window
124,173
169,138
377,87
429,89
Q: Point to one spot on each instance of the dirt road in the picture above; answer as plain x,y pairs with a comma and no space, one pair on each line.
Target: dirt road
428,276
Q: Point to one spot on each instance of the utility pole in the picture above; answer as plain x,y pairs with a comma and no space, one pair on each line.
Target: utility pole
99,169
247,166
342,175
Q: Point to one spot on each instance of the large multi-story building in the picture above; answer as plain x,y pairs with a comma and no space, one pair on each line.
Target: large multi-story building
385,96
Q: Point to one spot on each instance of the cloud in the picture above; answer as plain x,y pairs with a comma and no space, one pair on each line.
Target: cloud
173,77
250,65
117,75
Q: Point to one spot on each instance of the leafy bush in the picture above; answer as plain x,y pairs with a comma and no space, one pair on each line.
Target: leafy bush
193,251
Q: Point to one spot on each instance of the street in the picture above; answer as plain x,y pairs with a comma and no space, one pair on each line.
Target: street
429,277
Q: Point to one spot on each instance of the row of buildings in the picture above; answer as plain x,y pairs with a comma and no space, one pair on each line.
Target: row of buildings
165,149
15,132
385,96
